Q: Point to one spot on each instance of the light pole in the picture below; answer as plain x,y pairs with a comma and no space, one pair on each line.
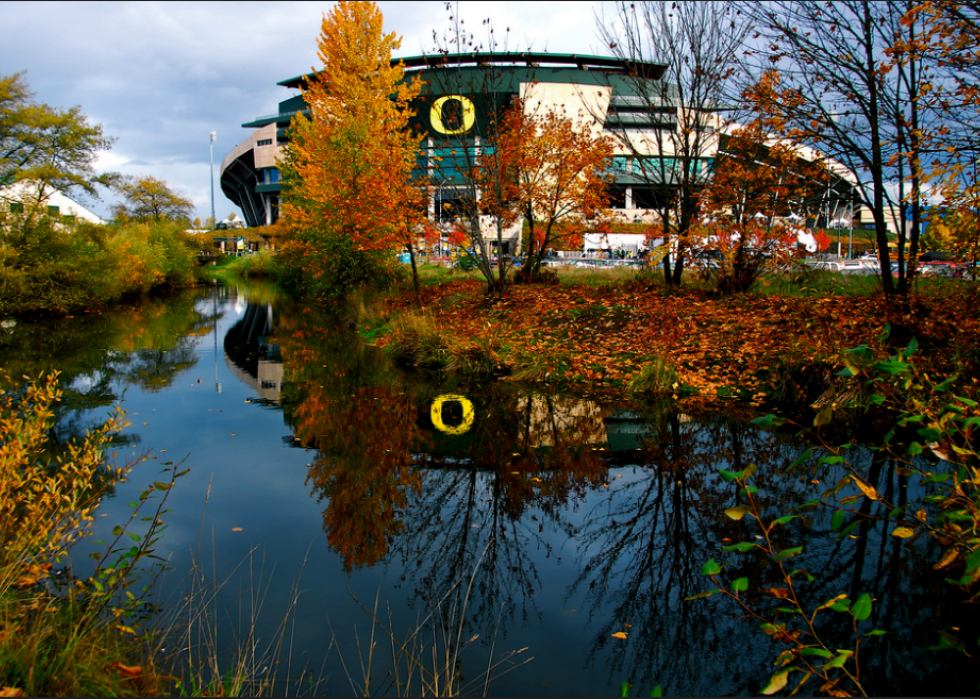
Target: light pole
217,384
212,180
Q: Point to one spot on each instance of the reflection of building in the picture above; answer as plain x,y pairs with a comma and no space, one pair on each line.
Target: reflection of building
250,356
553,419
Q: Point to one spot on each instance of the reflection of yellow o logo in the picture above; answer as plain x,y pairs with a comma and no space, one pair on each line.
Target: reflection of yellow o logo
469,115
468,414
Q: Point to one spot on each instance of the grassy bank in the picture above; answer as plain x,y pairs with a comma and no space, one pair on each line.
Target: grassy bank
261,265
621,331
101,634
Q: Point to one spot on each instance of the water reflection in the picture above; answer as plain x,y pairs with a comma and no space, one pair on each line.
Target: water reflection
251,356
100,354
490,485
568,519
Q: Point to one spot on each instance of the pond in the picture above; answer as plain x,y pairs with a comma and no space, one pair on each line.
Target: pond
327,487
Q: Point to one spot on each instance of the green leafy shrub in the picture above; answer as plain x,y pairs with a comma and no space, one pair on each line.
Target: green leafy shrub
66,636
49,265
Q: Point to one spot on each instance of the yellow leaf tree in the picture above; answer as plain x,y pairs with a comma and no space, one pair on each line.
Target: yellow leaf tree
348,168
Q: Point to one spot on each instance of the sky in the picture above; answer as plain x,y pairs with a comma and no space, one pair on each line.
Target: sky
161,76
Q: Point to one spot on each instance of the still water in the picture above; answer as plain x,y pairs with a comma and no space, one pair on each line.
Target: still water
324,483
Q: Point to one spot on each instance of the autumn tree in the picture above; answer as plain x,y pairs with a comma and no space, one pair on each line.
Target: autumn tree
854,87
553,174
465,162
698,43
947,43
46,147
759,185
150,199
348,167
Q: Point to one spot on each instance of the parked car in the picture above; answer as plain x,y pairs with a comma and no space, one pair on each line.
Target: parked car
865,267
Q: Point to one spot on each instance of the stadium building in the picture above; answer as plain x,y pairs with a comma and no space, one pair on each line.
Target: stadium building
461,94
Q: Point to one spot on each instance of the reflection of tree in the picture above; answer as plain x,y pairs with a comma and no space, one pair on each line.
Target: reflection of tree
394,486
342,400
154,370
643,548
146,345
378,458
489,501
485,501
912,602
363,469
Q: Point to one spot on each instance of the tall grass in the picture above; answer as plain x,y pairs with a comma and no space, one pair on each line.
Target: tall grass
434,273
815,282
418,341
428,660
61,636
657,377
212,648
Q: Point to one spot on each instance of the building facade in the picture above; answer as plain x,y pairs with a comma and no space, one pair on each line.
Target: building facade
462,94
25,197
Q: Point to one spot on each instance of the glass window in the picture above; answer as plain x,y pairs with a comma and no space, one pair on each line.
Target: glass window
621,163
54,210
16,207
652,165
264,142
267,175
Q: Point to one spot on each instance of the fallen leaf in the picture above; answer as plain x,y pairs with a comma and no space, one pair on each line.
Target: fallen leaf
128,671
236,529
11,692
619,634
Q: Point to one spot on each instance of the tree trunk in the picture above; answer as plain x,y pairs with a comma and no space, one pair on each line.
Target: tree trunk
877,165
415,272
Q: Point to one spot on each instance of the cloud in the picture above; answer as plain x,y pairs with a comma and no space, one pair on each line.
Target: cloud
160,76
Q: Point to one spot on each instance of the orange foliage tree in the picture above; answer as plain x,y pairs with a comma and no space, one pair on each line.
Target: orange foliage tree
758,182
348,167
947,43
555,172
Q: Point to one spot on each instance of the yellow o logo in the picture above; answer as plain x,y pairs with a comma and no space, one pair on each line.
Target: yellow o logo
468,414
469,115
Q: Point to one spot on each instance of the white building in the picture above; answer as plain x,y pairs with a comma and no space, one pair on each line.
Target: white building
23,197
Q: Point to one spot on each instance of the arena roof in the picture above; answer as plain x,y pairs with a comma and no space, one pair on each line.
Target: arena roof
645,69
